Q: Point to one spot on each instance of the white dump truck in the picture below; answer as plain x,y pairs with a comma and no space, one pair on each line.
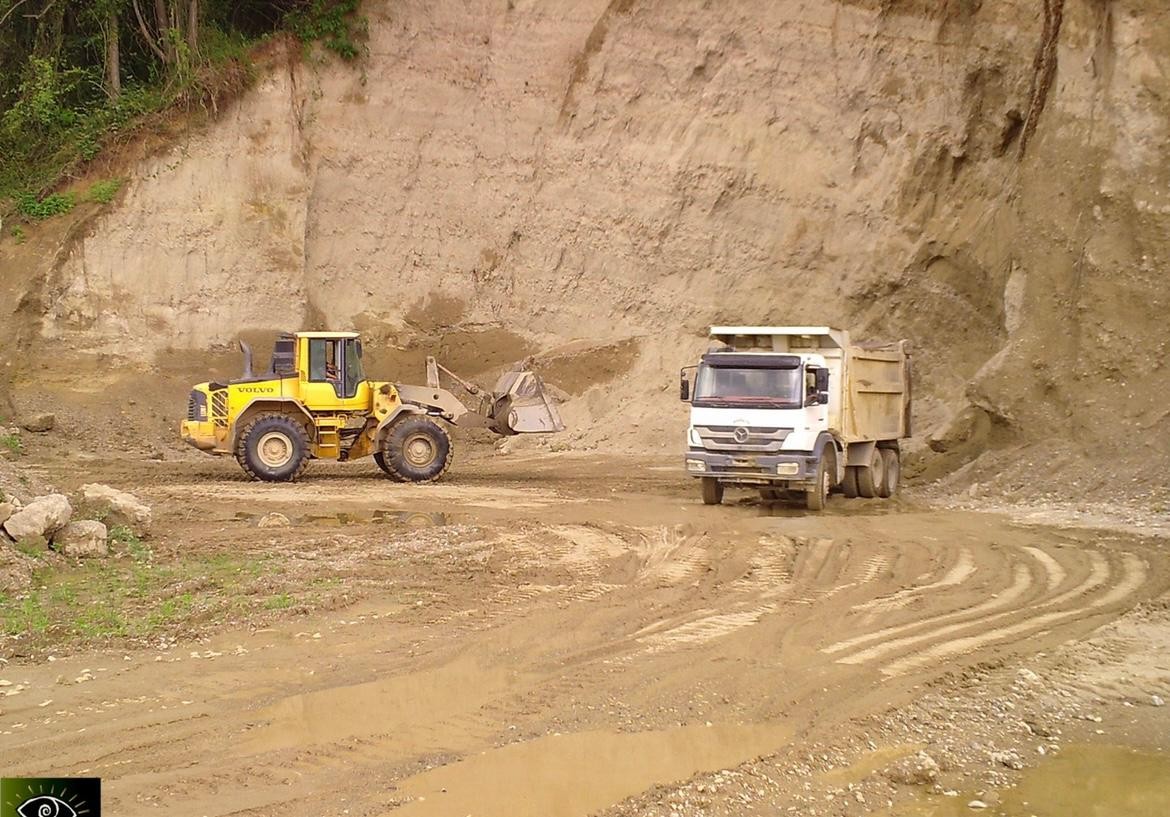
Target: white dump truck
797,409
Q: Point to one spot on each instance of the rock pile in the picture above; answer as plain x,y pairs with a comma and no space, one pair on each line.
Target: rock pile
78,528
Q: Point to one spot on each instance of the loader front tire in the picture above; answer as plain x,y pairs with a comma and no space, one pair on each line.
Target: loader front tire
273,448
380,458
417,449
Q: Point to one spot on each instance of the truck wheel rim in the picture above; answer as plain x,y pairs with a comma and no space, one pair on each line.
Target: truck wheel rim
275,449
420,450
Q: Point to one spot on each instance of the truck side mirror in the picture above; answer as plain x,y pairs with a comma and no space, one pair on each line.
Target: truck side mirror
684,382
822,376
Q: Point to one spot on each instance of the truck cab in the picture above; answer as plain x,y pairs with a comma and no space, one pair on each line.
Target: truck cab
780,409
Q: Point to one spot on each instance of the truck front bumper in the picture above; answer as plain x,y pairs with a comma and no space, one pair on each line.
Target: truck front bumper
753,469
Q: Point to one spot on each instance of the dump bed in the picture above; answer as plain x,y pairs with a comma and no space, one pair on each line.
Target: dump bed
876,394
869,384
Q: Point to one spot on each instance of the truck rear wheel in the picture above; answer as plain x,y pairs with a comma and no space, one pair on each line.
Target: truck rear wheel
417,449
870,477
817,496
712,491
273,448
849,484
892,472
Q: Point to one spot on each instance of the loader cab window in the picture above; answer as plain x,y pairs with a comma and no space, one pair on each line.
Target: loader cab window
353,366
338,362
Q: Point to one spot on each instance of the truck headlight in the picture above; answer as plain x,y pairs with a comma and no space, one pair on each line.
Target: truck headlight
788,469
696,465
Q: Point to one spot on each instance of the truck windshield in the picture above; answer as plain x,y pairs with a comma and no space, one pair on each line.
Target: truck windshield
754,388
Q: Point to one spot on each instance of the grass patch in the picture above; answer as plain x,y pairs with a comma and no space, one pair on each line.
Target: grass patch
281,601
133,598
104,191
39,209
12,443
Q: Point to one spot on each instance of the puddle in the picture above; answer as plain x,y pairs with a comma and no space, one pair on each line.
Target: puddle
420,710
401,519
1080,781
576,775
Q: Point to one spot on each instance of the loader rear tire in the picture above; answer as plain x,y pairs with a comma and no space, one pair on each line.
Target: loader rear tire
273,448
870,477
417,449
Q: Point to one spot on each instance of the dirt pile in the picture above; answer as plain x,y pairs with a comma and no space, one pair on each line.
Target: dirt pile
986,180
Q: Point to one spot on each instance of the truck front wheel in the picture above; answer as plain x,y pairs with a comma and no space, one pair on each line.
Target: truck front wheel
712,491
818,495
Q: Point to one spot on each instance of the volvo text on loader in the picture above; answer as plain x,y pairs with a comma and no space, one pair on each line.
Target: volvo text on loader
315,402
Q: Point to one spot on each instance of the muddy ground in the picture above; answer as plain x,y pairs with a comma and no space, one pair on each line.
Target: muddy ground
567,635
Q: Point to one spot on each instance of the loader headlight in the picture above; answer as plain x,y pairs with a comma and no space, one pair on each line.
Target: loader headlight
696,465
788,469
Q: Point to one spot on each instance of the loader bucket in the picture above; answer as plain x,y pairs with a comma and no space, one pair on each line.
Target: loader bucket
520,405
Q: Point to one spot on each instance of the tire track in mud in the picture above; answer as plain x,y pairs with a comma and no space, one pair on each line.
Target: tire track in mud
1021,582
809,576
959,572
1134,570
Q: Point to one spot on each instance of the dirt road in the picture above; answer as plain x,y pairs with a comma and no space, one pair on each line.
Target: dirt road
542,635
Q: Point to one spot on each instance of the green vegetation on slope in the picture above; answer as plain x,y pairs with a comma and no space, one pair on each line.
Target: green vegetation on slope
76,74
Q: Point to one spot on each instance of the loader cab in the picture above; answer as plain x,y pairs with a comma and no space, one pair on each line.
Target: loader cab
330,369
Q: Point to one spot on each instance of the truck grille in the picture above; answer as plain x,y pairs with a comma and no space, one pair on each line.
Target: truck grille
742,438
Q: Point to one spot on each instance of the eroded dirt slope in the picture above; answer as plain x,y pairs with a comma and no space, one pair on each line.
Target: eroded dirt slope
503,178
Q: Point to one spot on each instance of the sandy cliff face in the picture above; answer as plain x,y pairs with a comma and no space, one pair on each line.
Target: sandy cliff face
497,178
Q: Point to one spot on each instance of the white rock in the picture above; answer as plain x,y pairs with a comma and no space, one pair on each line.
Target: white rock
84,538
43,516
39,423
120,508
1156,700
976,804
274,520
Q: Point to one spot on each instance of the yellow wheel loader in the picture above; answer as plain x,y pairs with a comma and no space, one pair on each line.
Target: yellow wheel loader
315,402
